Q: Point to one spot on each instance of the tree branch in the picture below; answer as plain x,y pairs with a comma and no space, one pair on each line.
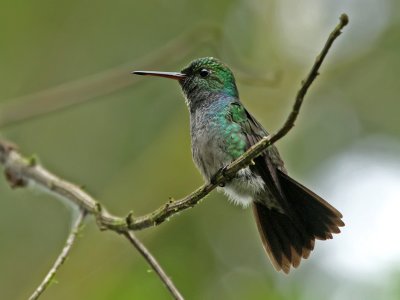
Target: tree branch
61,258
171,208
21,171
154,264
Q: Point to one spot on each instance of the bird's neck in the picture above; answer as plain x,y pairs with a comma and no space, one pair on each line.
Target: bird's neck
204,99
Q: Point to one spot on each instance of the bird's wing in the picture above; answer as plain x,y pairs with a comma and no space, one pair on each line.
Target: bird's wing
267,164
289,233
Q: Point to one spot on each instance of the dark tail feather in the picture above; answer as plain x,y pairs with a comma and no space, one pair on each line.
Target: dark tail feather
288,238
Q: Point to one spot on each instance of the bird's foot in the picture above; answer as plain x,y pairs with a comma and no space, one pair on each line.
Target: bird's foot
220,173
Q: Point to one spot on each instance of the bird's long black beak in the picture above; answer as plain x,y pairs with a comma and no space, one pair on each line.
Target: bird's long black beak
171,75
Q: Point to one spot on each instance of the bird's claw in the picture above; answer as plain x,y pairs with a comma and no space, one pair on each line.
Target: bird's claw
220,173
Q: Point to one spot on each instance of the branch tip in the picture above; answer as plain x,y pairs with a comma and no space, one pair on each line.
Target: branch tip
344,19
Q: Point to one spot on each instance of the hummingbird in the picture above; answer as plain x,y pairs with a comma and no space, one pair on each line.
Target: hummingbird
289,216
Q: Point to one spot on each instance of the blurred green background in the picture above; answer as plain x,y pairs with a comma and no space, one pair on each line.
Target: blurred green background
66,95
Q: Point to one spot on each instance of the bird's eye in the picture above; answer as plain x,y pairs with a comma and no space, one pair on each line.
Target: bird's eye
204,73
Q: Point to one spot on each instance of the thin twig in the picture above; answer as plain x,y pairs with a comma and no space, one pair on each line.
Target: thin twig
154,264
61,258
21,171
344,20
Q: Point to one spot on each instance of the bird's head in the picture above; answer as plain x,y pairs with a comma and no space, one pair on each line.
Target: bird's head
201,78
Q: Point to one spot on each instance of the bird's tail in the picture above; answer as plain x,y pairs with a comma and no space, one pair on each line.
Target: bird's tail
289,238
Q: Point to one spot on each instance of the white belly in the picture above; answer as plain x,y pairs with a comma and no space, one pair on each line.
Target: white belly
243,189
